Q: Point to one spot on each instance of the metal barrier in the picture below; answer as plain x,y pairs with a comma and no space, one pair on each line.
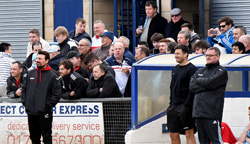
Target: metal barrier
116,113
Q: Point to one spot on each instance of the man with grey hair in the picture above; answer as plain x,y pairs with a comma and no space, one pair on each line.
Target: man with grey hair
238,32
245,39
184,38
125,41
98,28
84,48
209,84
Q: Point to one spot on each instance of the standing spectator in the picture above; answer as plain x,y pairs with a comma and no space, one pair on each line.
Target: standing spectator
125,41
155,39
34,35
102,84
173,28
84,48
36,46
62,37
164,45
99,29
141,53
5,64
121,66
194,36
209,84
41,91
15,80
74,57
238,48
103,51
73,84
238,32
244,137
55,57
79,32
201,47
222,39
245,39
179,112
151,24
184,38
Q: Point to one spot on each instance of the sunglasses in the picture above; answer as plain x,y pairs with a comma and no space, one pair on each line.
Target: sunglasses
175,15
222,26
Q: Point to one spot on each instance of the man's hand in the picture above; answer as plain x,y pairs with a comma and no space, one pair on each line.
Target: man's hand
72,93
100,90
139,31
218,31
19,92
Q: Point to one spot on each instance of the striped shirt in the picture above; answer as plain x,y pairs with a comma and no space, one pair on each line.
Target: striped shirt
5,64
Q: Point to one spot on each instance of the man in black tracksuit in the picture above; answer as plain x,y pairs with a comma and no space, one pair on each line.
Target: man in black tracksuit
179,113
102,84
41,91
15,81
73,84
209,84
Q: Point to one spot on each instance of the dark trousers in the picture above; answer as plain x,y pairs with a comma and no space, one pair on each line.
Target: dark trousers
40,125
209,130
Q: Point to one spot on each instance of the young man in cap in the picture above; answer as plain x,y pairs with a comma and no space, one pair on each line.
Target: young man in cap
62,37
55,57
73,84
79,32
75,58
103,51
151,24
173,28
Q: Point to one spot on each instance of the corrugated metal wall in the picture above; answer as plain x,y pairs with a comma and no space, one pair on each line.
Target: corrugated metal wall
238,10
17,17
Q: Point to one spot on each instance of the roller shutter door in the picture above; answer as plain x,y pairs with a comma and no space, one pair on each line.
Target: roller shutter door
17,18
238,10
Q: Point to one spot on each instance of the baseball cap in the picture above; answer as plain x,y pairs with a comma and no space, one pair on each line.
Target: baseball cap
108,34
175,11
53,48
72,54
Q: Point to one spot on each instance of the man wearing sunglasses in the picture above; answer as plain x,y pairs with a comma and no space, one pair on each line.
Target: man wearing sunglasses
173,28
223,37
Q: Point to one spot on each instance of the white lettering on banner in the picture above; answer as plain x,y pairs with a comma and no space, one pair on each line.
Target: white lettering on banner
72,123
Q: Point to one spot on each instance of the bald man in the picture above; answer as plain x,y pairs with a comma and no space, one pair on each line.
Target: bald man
245,39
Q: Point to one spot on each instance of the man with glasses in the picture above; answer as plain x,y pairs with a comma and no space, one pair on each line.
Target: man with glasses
173,28
209,84
84,48
223,38
151,24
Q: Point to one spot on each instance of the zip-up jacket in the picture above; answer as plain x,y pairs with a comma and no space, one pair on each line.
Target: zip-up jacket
73,82
41,91
13,85
209,85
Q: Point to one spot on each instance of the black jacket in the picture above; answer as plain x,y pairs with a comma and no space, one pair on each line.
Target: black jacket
67,46
108,83
41,91
12,84
82,71
172,29
73,82
209,85
55,61
28,62
157,25
79,36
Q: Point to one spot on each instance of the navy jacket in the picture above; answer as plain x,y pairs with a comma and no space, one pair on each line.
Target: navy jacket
55,61
79,36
